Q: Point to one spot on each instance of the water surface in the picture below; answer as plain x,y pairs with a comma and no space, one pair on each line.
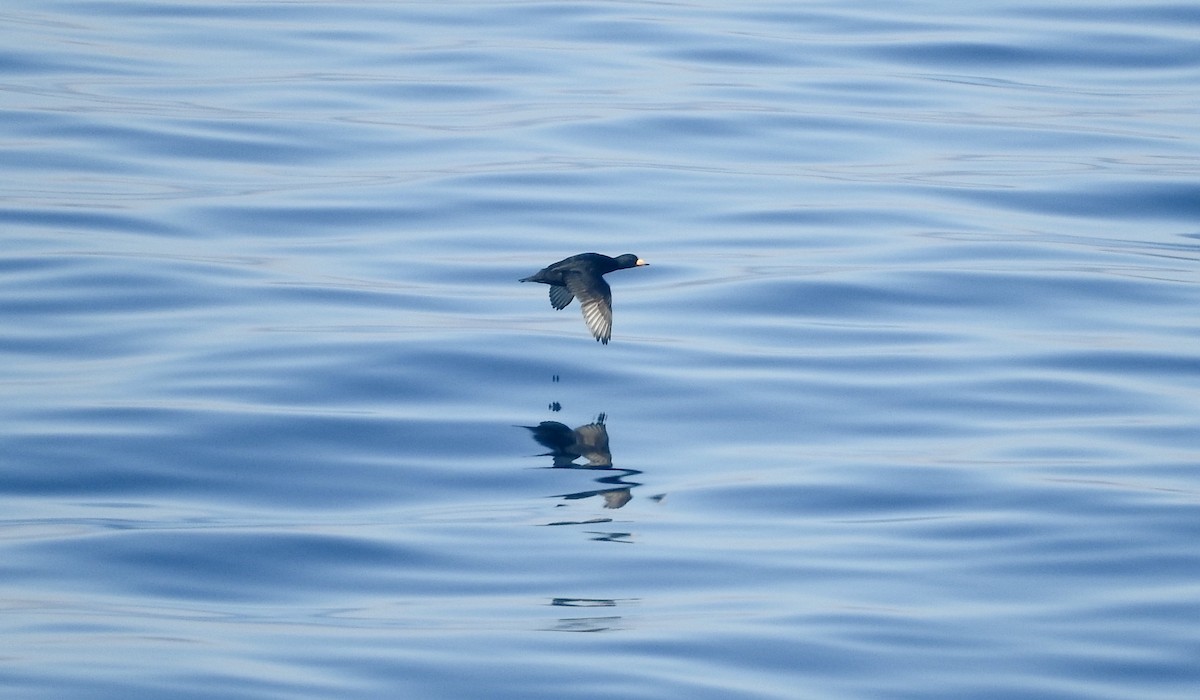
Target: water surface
905,405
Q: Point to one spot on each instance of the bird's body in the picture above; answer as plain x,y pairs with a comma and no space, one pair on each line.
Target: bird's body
583,276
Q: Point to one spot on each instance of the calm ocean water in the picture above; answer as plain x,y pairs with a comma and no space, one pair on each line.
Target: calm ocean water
905,405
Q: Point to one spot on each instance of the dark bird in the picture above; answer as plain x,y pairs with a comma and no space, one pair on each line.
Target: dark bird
583,276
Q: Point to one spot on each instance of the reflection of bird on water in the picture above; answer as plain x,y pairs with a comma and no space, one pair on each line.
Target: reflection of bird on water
583,276
616,498
588,441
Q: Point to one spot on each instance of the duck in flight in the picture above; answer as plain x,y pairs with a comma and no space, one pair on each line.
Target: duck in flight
583,276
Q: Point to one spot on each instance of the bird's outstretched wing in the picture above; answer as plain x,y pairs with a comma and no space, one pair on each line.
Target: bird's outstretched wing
560,296
595,298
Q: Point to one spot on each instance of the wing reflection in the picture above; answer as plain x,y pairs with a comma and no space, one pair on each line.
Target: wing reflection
616,494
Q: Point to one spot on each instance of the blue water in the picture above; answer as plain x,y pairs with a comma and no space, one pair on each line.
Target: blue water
905,405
